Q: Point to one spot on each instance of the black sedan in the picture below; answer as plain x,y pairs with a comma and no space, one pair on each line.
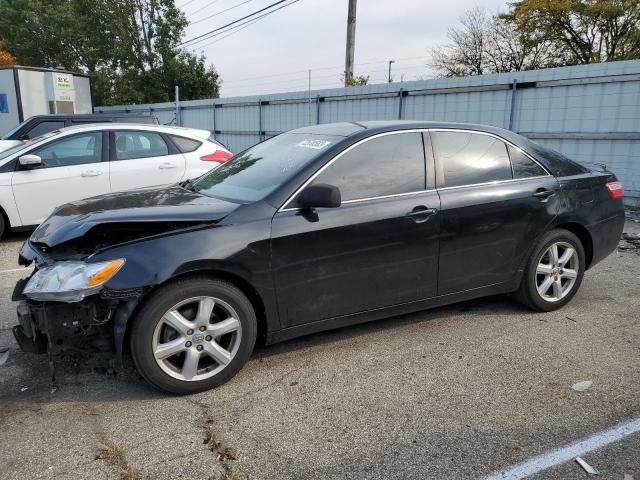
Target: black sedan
317,228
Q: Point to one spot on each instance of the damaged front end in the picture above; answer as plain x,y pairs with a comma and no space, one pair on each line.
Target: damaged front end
65,306
81,295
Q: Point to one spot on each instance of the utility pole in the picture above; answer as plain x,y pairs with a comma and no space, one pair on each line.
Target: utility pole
351,42
390,62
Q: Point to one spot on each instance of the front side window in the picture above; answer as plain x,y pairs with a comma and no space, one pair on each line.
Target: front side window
130,145
523,166
385,165
465,158
76,150
42,128
255,173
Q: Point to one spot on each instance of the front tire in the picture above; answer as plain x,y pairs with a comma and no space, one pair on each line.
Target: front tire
192,335
553,273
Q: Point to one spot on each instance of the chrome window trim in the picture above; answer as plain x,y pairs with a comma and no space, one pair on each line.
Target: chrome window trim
496,182
414,130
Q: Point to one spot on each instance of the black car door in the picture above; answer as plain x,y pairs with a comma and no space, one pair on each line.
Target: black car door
379,248
495,202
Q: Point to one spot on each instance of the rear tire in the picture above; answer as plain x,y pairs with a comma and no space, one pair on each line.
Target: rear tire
2,224
553,273
192,335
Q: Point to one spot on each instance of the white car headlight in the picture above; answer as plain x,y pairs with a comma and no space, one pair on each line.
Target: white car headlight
70,281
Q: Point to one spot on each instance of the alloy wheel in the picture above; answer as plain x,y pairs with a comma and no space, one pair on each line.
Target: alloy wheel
557,271
197,338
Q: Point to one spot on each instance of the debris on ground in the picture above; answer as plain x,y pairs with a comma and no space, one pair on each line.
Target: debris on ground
24,389
4,354
115,456
587,468
582,386
627,476
632,215
630,241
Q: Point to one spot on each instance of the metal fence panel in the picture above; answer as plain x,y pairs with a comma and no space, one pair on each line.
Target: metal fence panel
590,113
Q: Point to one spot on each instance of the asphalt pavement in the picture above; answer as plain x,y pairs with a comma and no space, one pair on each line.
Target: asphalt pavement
463,391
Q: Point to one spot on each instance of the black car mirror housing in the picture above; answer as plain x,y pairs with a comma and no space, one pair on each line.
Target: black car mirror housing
320,196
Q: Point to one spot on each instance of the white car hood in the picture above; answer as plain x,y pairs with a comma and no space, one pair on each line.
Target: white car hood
7,144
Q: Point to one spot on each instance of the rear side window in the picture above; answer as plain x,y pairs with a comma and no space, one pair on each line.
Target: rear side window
130,145
385,165
523,166
465,158
185,145
42,128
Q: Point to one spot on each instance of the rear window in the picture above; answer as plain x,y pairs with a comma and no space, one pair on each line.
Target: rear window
470,158
185,145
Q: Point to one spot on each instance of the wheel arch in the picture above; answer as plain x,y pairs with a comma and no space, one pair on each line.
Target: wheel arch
236,280
583,235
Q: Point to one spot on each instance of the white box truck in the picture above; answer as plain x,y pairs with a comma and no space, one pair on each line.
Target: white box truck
29,91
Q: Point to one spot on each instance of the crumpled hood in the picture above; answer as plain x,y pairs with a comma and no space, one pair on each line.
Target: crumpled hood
157,210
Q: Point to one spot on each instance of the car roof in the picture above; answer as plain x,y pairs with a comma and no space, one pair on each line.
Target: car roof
200,133
83,116
347,129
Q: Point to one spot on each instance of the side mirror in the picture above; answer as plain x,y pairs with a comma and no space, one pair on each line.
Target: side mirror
30,161
320,196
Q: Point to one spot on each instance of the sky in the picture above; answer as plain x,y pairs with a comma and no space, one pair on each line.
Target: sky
275,53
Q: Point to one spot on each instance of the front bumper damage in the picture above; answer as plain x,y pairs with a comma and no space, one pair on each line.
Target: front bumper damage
97,323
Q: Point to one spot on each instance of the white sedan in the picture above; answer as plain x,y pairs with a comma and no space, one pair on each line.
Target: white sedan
83,161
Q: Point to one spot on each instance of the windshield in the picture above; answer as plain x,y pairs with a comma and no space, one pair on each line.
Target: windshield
7,136
10,151
255,173
27,143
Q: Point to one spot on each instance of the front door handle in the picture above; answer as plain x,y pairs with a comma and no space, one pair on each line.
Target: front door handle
90,173
166,166
421,213
543,193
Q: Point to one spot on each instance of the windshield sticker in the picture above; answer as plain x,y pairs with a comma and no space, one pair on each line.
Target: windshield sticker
315,144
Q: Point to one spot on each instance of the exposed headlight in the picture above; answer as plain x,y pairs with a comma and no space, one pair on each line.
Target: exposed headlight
70,281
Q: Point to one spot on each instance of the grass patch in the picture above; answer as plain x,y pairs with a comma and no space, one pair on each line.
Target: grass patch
115,456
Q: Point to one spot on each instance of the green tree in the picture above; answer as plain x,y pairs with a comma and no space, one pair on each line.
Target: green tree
586,31
355,80
130,48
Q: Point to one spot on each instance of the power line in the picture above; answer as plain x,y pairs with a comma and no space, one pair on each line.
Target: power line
246,23
208,34
302,82
359,64
187,3
201,8
233,31
221,11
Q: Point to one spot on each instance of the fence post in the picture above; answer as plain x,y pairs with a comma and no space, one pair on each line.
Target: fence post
260,119
214,121
513,103
317,109
177,98
401,94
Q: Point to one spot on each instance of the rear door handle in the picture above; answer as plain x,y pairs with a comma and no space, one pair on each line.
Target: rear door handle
421,213
543,193
90,173
166,166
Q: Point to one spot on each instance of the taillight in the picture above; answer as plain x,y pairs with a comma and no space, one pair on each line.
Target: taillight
615,190
219,156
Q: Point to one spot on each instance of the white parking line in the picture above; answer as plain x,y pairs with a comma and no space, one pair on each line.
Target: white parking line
14,270
568,452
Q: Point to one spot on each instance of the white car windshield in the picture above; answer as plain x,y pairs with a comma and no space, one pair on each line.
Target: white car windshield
15,149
